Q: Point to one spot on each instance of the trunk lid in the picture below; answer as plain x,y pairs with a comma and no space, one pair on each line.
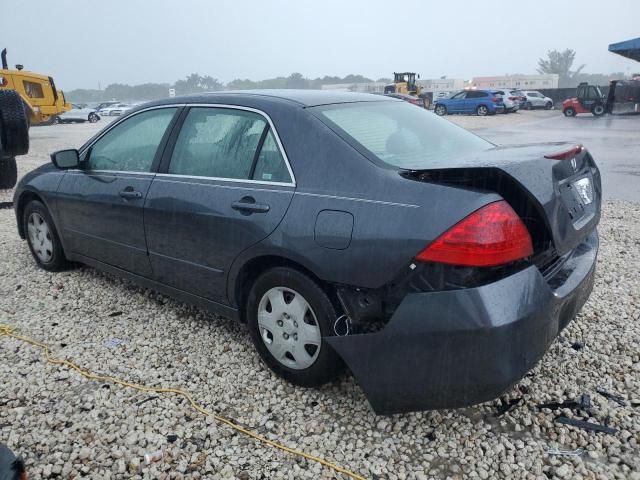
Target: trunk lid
559,200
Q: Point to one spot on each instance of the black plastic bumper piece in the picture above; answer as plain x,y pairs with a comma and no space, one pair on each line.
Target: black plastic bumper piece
457,348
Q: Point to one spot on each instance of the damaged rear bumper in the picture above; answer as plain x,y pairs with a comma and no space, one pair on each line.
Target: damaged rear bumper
456,348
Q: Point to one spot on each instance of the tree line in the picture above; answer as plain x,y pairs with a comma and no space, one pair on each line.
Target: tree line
196,83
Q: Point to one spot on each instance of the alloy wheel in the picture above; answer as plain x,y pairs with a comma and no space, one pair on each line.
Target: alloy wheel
482,110
289,328
40,237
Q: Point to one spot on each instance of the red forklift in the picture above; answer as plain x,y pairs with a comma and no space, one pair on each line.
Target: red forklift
623,97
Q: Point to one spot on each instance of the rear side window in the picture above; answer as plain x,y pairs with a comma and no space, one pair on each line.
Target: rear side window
270,165
401,135
217,142
131,145
476,94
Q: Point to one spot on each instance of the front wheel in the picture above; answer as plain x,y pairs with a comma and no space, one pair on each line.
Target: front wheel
482,110
93,118
598,110
441,110
43,238
289,317
8,172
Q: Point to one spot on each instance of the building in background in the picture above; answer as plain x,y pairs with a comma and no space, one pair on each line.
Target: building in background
524,82
442,87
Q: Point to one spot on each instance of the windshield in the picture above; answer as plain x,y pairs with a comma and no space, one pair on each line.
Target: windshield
400,134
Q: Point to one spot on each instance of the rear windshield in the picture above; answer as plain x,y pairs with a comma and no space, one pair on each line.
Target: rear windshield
400,134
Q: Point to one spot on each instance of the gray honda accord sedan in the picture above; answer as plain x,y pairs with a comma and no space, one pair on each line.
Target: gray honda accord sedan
343,228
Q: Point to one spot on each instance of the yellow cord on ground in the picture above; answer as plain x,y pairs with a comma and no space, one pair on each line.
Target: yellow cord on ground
9,331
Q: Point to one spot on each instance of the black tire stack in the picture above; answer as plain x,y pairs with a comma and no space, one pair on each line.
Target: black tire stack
14,136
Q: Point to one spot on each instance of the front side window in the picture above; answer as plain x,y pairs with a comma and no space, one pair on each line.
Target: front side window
131,145
217,142
33,89
401,135
459,96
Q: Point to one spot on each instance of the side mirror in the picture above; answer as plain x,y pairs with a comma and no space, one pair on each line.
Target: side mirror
66,158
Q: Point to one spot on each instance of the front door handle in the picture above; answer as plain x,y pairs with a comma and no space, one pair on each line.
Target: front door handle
248,205
129,193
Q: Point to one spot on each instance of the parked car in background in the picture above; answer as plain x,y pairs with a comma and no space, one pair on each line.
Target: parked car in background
536,100
480,102
293,209
511,100
104,105
120,109
78,113
115,110
413,100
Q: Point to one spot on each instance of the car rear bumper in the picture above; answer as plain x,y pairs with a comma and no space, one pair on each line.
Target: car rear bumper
456,348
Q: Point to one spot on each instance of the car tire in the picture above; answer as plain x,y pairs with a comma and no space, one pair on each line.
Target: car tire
482,111
597,110
42,237
569,112
14,124
548,106
440,110
283,336
93,118
528,106
8,172
55,120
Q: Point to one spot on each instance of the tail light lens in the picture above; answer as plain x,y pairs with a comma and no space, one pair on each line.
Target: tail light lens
495,99
513,98
565,154
493,235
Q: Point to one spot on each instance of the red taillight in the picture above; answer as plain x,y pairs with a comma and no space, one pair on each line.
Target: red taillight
513,98
492,235
494,99
565,154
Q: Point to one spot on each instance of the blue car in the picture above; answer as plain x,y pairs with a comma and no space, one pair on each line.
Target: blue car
480,102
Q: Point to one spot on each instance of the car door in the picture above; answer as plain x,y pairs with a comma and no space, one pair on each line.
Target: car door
456,103
100,205
226,185
472,100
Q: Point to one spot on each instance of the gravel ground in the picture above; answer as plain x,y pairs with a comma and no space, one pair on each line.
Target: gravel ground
66,426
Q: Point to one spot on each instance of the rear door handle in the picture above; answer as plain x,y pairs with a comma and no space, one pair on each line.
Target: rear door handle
130,194
248,205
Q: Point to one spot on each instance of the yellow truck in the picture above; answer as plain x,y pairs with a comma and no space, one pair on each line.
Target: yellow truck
42,100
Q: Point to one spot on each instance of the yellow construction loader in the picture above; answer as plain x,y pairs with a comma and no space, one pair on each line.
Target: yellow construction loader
404,82
42,101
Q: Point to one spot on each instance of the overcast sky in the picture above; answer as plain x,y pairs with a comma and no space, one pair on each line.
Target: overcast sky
85,43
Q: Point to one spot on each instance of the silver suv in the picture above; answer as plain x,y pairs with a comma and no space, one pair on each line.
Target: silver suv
536,100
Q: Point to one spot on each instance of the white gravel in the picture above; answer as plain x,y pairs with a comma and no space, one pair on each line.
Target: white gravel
66,426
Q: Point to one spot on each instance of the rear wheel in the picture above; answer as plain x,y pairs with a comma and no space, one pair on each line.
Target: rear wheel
289,316
43,238
528,106
548,106
598,110
14,124
8,172
93,118
569,112
440,110
482,110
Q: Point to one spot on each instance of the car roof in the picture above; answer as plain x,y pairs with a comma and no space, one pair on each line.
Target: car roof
305,98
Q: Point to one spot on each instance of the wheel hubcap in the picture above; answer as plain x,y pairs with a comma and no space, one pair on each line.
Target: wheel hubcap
40,237
289,328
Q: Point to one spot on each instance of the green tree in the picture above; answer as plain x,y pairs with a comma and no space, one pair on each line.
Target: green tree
560,63
296,80
196,83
